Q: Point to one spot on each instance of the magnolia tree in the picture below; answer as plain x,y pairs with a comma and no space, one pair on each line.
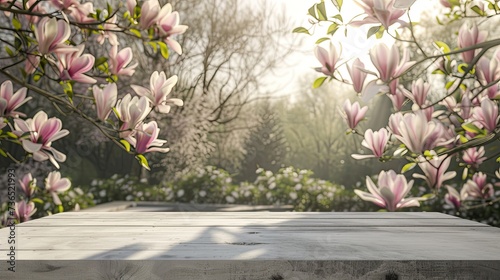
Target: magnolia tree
46,55
427,127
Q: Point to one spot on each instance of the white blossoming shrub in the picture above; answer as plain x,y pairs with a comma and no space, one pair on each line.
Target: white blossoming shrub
289,186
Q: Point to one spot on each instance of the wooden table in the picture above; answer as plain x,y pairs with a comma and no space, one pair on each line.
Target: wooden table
252,245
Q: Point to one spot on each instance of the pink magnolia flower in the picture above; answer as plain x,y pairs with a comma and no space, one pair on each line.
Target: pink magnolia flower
435,170
132,111
418,134
107,33
487,114
119,61
146,139
376,142
487,72
32,62
64,4
398,98
159,88
357,75
24,210
468,37
35,9
477,187
390,193
42,132
27,185
380,11
54,185
403,4
328,59
353,114
72,66
388,62
394,121
453,197
450,103
465,106
10,101
428,110
51,34
445,3
105,99
74,8
81,12
419,92
168,23
149,13
131,4
474,156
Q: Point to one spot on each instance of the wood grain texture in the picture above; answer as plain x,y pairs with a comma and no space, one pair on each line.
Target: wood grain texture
253,245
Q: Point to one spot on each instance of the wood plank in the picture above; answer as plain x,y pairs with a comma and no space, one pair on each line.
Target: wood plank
253,269
190,222
246,246
231,243
259,215
152,231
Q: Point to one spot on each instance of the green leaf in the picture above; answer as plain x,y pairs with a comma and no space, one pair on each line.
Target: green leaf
154,45
463,139
408,166
478,11
380,32
37,77
339,17
320,40
449,84
126,144
68,89
438,71
9,51
321,11
428,154
3,153
117,114
312,11
163,50
301,30
443,47
337,4
110,9
428,196
143,161
465,173
37,200
136,32
60,208
462,67
498,159
16,23
471,128
318,82
439,21
11,135
332,28
100,61
372,31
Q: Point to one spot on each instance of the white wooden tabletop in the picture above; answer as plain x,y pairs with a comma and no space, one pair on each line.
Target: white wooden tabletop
217,245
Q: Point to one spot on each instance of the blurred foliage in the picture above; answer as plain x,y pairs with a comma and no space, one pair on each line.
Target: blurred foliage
289,186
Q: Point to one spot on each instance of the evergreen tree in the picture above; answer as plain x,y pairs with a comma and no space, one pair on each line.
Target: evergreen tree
266,145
